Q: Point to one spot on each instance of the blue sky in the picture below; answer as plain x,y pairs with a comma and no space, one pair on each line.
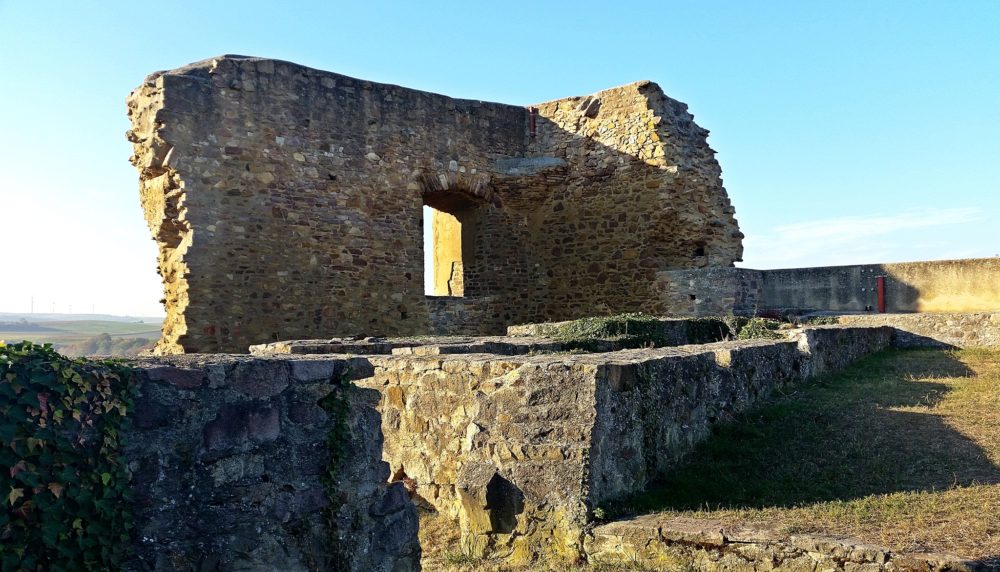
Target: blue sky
848,132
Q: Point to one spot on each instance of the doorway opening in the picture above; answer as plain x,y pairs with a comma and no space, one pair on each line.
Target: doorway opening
449,225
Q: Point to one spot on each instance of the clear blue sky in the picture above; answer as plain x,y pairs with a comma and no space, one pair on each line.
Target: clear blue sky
849,131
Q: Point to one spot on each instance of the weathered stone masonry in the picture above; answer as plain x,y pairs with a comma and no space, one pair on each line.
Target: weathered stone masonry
231,460
286,203
229,453
522,449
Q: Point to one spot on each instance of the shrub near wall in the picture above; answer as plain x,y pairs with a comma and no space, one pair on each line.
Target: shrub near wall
63,483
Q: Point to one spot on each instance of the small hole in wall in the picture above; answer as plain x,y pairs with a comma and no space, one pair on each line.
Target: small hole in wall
265,478
692,296
700,251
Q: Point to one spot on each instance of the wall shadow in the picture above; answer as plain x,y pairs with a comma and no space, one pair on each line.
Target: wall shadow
988,563
865,431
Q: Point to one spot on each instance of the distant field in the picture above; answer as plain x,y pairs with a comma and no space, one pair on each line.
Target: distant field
66,333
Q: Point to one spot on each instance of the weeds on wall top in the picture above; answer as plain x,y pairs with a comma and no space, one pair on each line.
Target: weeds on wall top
759,329
63,481
629,330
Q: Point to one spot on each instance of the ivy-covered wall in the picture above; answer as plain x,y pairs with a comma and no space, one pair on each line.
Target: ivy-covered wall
63,481
195,463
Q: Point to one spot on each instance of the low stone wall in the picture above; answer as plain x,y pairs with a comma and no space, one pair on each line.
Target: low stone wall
231,460
832,348
980,329
523,448
675,543
652,410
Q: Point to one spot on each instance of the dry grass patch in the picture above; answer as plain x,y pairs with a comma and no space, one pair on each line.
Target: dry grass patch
901,450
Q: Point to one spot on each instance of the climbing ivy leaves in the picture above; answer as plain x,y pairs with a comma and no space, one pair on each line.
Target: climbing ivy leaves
63,481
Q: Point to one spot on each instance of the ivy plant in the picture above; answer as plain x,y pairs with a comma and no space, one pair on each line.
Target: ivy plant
63,480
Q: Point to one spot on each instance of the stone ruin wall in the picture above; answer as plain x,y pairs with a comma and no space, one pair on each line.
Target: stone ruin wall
522,449
659,542
286,202
229,454
231,460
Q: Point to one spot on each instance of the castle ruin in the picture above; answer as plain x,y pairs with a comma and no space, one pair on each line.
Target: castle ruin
287,203
289,208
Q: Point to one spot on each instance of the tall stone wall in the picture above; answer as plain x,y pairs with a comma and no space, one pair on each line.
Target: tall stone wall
642,192
262,464
286,201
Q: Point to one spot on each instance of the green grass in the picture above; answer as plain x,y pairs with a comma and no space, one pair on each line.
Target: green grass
901,449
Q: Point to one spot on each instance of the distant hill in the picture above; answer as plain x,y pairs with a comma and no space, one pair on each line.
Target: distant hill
42,317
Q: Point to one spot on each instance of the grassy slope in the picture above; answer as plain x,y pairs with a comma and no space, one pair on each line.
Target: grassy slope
901,450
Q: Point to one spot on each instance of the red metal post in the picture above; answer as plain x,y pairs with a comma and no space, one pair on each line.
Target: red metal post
531,119
880,287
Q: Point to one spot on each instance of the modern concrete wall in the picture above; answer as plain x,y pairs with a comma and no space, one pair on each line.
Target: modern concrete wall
969,285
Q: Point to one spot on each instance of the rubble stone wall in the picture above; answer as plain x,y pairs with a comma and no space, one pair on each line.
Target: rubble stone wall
287,201
467,316
710,291
653,411
642,192
523,448
231,459
677,543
